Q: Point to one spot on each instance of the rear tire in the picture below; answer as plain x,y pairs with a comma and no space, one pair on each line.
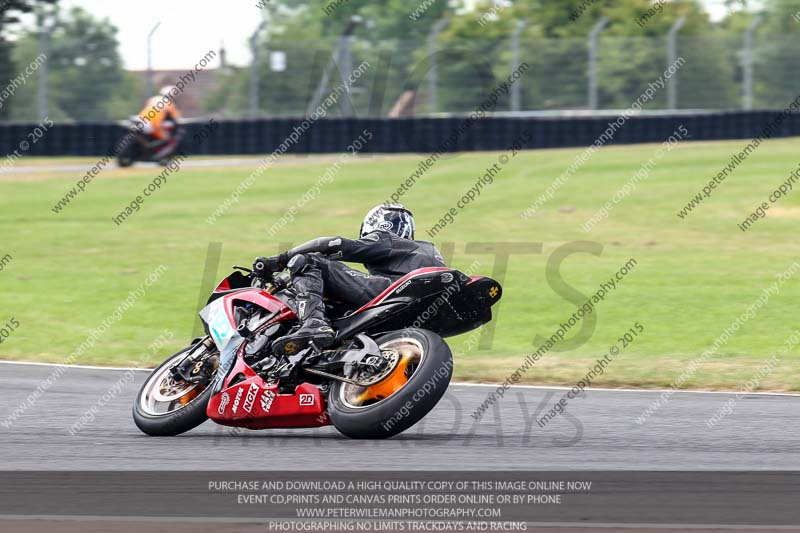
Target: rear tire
172,423
407,405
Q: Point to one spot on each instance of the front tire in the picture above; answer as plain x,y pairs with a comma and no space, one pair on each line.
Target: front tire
181,410
400,400
129,154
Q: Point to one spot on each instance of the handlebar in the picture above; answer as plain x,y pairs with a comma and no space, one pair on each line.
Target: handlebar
278,281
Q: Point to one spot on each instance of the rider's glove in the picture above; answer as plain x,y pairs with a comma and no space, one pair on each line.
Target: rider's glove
264,266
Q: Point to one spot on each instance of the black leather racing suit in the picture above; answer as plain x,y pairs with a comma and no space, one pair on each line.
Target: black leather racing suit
386,256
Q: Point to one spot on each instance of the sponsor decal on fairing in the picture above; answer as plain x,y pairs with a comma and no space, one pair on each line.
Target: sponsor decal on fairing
250,399
237,400
223,403
266,400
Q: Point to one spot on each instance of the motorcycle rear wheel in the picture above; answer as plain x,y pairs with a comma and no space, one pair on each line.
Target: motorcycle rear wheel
413,387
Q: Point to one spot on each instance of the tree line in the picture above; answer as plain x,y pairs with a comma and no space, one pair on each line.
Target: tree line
473,47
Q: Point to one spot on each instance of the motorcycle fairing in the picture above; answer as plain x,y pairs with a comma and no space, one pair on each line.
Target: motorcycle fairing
240,396
220,323
442,300
254,404
227,300
236,282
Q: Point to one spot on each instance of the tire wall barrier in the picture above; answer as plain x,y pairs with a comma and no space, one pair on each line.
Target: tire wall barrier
407,135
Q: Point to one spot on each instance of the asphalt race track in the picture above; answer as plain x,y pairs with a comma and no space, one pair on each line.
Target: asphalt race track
600,432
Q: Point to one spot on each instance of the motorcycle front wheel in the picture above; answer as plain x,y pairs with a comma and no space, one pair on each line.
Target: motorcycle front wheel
129,153
421,368
166,406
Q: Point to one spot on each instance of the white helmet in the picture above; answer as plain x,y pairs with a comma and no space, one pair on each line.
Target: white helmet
167,89
395,218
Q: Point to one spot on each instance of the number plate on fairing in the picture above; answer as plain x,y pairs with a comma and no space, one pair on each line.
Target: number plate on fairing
219,326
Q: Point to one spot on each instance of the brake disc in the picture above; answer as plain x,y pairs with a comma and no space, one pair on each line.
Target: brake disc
392,357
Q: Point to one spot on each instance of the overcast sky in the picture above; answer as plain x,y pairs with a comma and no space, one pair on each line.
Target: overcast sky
190,28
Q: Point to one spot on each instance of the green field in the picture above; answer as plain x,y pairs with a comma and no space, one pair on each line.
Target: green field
693,278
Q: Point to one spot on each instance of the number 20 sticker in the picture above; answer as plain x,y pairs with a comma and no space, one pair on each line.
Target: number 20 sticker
306,399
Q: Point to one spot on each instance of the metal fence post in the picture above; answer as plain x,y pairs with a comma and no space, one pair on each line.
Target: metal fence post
345,62
433,77
335,63
515,62
602,23
44,48
747,65
254,96
149,78
672,55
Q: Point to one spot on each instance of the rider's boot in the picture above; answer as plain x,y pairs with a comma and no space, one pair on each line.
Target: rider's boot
311,312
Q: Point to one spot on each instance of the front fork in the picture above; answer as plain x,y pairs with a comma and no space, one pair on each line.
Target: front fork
197,365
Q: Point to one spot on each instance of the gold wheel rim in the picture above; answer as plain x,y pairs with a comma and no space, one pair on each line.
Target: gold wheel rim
411,355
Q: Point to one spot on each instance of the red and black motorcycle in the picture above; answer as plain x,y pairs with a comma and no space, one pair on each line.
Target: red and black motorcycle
136,145
387,369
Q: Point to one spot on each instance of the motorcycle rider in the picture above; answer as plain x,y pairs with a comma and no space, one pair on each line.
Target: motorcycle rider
160,118
386,247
